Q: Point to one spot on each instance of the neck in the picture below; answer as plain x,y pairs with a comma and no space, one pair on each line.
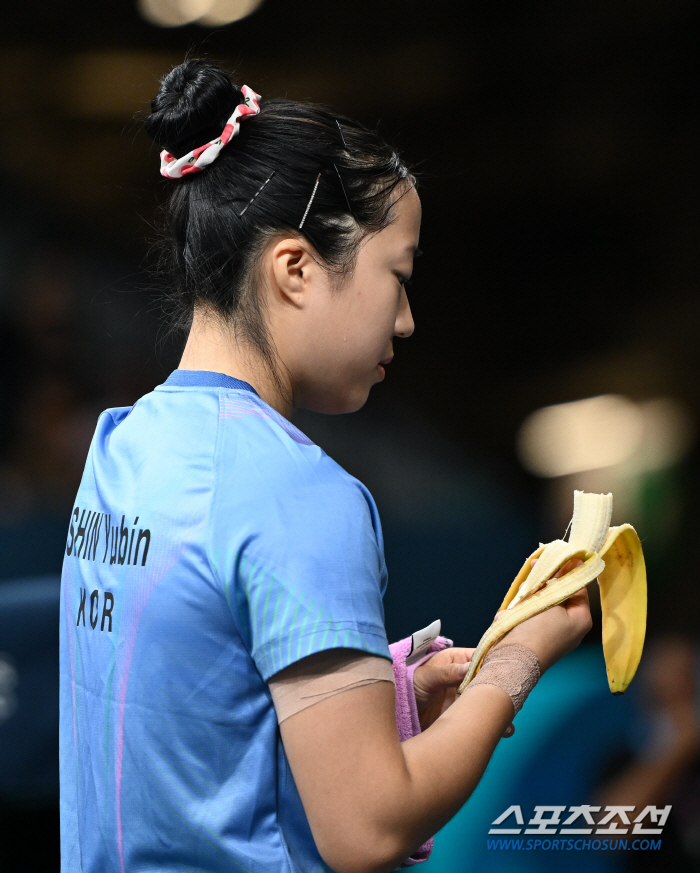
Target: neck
212,345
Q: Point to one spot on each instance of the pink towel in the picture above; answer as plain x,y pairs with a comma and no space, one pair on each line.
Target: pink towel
407,711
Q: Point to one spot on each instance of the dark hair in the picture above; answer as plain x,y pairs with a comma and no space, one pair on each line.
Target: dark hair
215,227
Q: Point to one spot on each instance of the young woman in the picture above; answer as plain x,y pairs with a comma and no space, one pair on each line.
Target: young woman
229,700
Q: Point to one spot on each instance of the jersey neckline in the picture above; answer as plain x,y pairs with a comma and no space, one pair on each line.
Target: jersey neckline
206,379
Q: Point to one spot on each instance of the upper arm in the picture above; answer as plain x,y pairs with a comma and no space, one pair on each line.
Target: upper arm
346,759
313,679
303,570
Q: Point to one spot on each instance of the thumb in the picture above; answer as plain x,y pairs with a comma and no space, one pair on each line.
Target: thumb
451,674
439,676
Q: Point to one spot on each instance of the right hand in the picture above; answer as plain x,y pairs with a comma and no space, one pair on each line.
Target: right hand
554,632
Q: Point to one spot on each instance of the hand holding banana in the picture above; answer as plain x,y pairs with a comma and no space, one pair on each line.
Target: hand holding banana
613,555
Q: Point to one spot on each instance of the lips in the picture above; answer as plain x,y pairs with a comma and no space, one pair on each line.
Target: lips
387,361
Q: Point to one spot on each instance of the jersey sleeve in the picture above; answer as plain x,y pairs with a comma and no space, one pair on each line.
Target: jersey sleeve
303,569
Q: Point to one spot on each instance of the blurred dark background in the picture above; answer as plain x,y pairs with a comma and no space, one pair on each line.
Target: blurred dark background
557,149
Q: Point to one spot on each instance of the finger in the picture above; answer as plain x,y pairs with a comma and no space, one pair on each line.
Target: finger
577,601
459,672
450,675
443,676
462,654
568,567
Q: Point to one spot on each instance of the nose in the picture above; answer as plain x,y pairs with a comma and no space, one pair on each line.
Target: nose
404,326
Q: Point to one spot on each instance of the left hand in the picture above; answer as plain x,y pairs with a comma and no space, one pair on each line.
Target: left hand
436,681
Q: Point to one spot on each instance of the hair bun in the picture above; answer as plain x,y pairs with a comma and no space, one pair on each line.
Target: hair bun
192,106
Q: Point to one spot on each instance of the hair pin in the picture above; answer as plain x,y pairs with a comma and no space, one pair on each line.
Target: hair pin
241,213
340,129
340,179
308,206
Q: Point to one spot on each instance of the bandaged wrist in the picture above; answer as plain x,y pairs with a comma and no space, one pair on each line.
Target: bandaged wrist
512,667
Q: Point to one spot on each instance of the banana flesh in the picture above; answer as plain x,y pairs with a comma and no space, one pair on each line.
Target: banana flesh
614,556
591,522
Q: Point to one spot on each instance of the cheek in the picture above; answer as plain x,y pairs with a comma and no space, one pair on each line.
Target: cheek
378,307
370,335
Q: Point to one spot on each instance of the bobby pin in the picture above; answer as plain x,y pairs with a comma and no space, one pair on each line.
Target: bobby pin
345,145
242,212
313,194
340,179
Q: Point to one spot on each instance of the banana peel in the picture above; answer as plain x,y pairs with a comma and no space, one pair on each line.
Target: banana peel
623,598
614,556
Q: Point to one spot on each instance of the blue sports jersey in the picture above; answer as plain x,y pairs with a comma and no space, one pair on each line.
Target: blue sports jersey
211,545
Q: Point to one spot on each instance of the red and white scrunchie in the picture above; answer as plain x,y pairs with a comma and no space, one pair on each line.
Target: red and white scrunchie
199,158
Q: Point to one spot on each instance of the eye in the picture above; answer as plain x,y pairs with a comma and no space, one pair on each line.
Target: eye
405,281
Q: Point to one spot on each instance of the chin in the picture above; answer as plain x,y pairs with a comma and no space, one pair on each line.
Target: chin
335,405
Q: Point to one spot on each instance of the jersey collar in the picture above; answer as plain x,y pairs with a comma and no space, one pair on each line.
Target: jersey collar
206,379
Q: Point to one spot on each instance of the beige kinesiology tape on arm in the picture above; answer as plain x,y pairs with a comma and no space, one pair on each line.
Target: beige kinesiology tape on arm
512,667
322,675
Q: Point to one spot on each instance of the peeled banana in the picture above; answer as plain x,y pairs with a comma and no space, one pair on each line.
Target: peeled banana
614,556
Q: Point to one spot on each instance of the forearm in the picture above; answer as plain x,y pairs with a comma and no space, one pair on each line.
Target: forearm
441,768
372,800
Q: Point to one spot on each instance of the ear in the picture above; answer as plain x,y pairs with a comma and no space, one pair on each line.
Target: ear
293,270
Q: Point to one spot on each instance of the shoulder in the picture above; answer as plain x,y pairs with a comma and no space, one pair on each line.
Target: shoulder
271,474
107,422
113,417
275,456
